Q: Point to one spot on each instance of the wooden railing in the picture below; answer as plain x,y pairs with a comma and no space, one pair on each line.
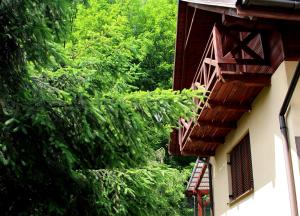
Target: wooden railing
228,50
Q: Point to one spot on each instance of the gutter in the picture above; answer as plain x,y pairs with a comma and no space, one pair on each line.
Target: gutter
270,9
286,146
286,4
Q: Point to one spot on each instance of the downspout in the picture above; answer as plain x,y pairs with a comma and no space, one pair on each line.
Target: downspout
286,146
211,192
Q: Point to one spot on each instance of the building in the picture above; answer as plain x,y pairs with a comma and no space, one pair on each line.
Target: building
245,53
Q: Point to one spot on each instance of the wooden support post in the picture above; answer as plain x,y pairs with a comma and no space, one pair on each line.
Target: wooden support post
200,204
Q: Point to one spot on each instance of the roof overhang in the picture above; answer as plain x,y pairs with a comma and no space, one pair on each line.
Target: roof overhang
196,19
210,11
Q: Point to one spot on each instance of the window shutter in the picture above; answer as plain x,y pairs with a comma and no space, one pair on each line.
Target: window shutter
241,168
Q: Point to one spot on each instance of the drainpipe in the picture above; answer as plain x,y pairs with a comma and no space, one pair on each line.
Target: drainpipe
211,192
286,146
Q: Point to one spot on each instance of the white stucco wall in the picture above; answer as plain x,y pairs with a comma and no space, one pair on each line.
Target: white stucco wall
270,196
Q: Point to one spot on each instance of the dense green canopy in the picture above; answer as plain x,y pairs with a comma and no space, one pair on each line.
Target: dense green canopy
80,134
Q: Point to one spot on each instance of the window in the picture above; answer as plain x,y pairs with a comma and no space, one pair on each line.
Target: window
241,168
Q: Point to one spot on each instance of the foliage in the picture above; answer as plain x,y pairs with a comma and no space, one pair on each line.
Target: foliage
152,190
29,29
48,133
134,39
77,137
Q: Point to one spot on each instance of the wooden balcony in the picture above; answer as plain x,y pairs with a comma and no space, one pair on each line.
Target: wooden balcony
199,182
236,65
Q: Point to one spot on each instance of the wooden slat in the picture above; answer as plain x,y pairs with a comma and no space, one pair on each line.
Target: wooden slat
219,125
207,140
197,152
248,79
229,106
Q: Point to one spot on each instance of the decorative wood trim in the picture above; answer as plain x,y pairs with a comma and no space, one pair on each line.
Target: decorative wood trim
210,61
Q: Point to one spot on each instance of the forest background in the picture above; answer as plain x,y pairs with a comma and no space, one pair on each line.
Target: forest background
86,110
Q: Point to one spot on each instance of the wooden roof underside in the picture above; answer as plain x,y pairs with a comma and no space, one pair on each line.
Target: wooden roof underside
235,86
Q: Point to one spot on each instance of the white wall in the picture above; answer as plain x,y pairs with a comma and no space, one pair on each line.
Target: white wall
270,196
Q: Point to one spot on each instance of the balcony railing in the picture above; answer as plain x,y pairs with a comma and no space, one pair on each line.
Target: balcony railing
229,51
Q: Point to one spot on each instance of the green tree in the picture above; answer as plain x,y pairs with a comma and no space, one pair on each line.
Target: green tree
76,137
132,38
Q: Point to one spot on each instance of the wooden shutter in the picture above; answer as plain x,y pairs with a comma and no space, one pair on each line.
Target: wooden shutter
241,168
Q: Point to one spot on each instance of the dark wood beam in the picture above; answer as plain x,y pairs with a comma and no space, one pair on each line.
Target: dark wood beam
207,140
239,24
179,56
248,79
219,125
190,29
173,146
228,106
188,152
240,61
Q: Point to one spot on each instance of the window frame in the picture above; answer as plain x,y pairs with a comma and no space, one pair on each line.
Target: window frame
240,171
